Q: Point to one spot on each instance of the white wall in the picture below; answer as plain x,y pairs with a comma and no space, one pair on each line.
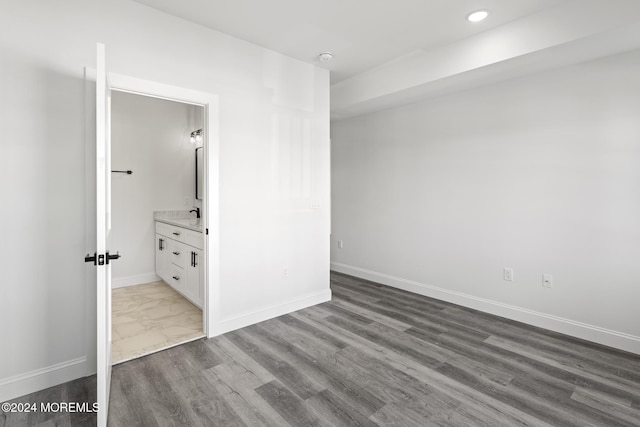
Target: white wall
150,136
47,293
539,174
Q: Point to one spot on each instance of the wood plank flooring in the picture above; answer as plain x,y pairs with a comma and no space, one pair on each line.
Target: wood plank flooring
374,356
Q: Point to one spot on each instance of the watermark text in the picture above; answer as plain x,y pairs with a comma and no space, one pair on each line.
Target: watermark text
65,407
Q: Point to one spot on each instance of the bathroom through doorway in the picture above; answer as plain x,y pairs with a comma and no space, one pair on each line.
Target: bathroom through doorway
158,286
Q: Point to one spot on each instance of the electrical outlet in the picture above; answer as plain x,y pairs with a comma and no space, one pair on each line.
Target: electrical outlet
340,244
508,274
547,280
285,272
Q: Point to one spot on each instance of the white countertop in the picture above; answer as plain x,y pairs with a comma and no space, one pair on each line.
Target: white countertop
180,219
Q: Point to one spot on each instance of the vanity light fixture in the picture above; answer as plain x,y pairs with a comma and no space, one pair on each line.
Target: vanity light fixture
196,136
477,16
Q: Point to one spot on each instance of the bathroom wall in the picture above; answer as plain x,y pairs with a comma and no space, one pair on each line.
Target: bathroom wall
47,173
150,136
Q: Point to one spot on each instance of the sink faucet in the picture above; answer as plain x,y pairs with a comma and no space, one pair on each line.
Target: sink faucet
196,210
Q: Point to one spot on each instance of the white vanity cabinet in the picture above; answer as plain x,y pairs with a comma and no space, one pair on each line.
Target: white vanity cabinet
179,260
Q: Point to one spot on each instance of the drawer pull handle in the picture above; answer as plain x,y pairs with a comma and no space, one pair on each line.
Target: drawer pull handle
176,277
176,233
176,253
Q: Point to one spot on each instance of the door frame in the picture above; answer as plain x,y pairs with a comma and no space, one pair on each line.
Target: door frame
210,214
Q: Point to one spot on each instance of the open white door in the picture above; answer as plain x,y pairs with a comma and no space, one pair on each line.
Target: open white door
103,233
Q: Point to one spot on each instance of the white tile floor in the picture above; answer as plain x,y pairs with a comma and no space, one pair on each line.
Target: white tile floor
151,317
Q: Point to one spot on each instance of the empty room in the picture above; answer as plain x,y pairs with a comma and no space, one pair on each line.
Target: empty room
320,213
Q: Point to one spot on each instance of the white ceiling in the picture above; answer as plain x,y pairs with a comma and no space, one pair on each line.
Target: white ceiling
360,33
388,52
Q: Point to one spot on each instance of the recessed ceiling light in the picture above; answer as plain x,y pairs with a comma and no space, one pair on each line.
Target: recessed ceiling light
477,16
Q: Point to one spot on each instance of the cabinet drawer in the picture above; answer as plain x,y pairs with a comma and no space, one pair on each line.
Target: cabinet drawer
180,234
178,253
170,231
177,278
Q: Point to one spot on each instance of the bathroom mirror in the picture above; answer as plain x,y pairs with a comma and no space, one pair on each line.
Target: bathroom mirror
199,173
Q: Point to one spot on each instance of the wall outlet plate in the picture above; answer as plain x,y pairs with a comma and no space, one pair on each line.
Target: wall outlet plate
508,274
547,280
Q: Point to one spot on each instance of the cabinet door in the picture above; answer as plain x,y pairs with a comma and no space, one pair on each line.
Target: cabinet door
194,283
162,257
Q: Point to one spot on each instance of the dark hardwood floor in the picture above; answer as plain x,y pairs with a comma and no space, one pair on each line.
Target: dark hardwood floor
374,356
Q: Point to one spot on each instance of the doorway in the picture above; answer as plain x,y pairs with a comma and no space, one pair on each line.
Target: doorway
158,284
100,148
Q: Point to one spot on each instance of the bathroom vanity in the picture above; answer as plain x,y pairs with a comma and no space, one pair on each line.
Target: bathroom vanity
179,249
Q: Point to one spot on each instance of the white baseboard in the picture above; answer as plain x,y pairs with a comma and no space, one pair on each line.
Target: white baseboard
123,282
33,381
228,325
608,337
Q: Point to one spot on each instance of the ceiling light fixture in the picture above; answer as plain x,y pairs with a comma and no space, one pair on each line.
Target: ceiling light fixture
325,56
477,16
